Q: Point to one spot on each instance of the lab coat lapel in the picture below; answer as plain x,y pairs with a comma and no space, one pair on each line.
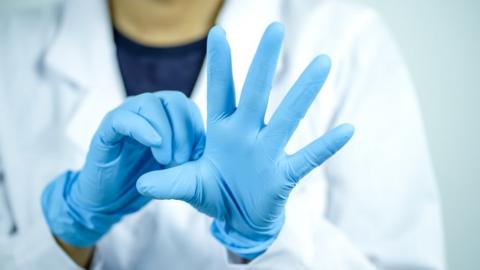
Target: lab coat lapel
83,52
244,21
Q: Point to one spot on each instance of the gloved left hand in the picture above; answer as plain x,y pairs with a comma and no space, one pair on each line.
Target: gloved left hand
148,132
244,177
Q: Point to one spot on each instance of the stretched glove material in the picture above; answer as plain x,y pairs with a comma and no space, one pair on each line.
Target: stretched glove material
244,177
148,132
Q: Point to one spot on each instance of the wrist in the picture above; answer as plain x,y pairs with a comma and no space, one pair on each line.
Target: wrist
248,247
81,256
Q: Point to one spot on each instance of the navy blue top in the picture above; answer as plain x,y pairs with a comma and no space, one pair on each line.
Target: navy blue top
149,69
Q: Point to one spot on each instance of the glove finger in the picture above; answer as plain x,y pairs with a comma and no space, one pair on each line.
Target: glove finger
116,126
317,152
295,105
221,94
123,123
186,122
177,183
256,90
199,147
150,107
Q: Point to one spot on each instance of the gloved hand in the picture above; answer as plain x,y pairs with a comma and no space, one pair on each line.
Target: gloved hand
244,177
148,132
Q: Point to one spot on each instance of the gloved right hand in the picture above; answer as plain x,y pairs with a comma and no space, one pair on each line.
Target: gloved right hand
148,132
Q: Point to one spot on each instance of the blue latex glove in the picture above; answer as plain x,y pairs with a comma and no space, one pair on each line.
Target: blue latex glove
166,127
244,177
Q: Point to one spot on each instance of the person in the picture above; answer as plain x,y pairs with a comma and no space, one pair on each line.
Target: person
374,205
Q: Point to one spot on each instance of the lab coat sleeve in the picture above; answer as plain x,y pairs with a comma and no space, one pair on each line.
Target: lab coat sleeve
383,195
383,208
32,246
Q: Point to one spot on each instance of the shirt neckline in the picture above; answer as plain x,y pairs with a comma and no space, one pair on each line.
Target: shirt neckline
125,43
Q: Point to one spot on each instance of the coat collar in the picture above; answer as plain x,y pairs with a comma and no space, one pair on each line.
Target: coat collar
83,53
83,50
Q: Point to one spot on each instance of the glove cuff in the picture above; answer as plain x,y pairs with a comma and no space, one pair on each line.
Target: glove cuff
69,222
243,246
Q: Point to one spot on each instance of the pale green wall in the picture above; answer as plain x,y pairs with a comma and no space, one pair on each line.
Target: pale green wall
441,42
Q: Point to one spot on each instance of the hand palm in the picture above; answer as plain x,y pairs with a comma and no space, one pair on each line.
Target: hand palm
243,174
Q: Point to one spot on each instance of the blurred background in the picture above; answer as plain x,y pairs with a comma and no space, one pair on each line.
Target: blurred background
440,40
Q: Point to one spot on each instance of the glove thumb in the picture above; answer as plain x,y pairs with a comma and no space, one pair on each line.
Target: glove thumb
176,183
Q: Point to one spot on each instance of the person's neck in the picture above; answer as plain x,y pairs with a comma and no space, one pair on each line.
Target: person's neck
164,22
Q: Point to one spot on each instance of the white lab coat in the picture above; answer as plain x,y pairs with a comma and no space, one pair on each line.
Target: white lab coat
375,205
